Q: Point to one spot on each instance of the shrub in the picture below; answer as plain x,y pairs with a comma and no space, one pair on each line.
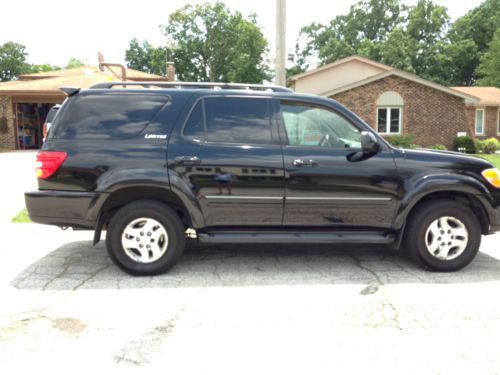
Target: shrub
464,143
487,146
438,147
404,141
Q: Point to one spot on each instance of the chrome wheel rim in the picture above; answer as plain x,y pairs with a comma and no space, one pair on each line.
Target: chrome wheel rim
446,238
144,240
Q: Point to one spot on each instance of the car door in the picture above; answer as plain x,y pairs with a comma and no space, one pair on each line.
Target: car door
228,154
328,180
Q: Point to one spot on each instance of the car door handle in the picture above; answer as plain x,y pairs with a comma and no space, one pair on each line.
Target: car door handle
187,160
304,163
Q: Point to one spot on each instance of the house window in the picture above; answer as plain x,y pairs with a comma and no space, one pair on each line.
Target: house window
498,122
479,121
389,120
390,113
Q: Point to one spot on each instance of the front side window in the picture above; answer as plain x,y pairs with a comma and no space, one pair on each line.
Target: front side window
310,126
389,120
230,120
479,121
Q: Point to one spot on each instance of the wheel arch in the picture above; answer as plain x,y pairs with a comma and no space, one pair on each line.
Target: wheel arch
187,212
473,201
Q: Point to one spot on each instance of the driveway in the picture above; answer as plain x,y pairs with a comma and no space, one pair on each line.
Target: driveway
243,309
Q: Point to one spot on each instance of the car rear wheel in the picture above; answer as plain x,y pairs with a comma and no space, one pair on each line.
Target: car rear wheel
443,235
145,238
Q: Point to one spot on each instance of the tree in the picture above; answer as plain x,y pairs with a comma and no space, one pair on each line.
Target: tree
427,24
469,38
360,31
146,58
38,68
74,63
214,44
12,61
489,69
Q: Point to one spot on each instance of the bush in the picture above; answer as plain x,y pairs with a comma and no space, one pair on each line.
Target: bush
438,147
403,141
487,146
464,143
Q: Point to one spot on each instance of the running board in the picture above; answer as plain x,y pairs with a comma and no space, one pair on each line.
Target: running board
298,237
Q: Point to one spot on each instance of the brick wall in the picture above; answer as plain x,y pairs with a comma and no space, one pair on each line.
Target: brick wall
490,118
7,141
430,115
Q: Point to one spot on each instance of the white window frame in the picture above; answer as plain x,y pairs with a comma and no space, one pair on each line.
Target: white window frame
475,121
388,121
498,121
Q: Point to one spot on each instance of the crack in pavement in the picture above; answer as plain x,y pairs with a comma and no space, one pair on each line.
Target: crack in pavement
374,288
91,276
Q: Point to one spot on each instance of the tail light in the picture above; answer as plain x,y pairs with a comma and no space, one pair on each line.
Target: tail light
47,162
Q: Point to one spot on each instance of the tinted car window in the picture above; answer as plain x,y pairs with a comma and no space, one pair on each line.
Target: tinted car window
106,116
238,120
313,126
195,127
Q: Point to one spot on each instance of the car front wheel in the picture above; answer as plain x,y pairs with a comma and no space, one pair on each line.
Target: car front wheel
443,235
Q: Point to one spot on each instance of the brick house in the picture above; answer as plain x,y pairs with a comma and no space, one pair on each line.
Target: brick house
25,103
484,116
392,101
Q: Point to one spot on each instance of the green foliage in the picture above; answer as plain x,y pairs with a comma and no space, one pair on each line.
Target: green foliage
438,147
489,69
210,43
21,217
464,143
403,141
418,39
12,61
469,37
487,146
74,63
146,58
38,68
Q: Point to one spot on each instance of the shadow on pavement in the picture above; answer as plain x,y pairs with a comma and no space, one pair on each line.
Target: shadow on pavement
78,265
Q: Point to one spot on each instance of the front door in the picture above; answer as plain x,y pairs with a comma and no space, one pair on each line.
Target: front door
229,156
329,181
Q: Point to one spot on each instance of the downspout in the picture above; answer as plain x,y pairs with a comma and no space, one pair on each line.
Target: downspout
124,70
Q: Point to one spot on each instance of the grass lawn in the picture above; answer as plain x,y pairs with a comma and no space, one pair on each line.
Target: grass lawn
495,159
21,217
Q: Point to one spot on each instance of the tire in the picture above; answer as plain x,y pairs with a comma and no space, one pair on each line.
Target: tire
442,235
153,226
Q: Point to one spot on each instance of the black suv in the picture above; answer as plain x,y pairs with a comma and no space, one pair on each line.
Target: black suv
155,163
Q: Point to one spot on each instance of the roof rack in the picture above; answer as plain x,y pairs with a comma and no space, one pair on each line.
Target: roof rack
194,85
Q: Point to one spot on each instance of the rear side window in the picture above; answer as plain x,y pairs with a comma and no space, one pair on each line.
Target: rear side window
106,116
230,120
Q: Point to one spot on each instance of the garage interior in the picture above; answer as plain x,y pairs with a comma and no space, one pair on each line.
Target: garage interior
29,124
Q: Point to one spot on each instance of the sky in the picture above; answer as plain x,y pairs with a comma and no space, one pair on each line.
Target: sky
53,31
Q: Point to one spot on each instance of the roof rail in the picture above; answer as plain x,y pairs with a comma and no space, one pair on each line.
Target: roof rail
194,85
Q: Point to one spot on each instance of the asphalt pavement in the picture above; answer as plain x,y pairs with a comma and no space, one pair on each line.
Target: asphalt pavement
65,308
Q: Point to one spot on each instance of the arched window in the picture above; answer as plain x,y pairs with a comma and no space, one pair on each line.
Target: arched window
390,113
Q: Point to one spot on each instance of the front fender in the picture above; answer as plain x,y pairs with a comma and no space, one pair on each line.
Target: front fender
418,189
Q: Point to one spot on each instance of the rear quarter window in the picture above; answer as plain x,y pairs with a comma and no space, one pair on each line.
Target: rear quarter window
106,116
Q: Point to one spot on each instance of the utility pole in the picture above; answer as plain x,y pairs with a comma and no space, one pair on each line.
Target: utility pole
280,43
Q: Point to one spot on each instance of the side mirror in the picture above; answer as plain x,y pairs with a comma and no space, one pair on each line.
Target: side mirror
369,142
